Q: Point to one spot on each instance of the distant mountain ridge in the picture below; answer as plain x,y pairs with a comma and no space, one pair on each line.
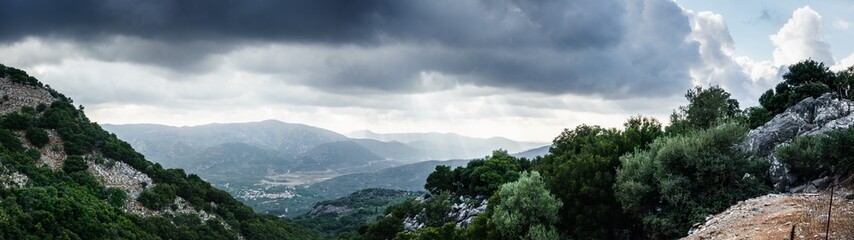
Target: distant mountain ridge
301,147
283,168
533,153
441,146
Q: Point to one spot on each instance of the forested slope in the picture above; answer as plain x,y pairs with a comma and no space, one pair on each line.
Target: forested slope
66,178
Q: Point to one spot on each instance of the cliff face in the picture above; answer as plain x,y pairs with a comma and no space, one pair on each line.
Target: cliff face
811,116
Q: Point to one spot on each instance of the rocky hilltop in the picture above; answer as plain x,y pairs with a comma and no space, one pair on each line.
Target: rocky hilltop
801,209
811,116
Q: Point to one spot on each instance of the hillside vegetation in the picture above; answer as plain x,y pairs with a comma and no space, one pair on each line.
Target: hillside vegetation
68,202
644,181
346,214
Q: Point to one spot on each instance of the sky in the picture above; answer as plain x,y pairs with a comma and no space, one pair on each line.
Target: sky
513,68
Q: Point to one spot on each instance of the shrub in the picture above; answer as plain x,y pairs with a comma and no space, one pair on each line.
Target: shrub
17,121
157,197
813,156
74,164
10,141
37,136
680,180
526,208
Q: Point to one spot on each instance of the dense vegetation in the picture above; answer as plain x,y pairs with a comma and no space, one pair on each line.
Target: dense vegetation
346,214
808,79
642,181
686,178
70,204
821,155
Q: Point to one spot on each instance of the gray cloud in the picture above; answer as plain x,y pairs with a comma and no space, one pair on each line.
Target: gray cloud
613,49
577,24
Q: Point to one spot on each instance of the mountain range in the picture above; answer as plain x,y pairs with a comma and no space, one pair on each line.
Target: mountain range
258,149
442,146
284,168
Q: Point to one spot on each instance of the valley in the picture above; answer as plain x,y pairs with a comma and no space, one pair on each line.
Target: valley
283,169
426,120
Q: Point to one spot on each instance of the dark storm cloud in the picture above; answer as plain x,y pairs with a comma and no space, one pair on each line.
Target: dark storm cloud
311,21
189,20
612,48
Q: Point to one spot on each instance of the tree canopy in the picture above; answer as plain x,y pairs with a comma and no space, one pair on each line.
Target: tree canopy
706,107
681,179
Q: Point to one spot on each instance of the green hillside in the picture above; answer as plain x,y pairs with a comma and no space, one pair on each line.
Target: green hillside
346,214
38,202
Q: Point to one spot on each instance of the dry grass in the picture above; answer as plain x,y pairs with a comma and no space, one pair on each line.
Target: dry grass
812,223
772,217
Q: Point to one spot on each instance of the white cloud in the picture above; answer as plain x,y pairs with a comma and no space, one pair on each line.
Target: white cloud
744,78
841,24
800,38
844,63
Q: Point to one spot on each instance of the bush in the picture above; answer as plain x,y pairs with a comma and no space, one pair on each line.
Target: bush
815,156
115,197
158,197
526,208
10,141
804,157
757,116
37,136
17,121
74,164
682,179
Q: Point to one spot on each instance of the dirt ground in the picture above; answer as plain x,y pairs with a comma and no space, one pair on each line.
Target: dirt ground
772,217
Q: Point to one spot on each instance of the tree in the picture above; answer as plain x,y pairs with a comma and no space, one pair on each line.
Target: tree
756,116
843,83
808,71
442,179
495,170
706,107
9,141
37,136
580,170
804,79
682,179
640,131
74,164
157,197
526,208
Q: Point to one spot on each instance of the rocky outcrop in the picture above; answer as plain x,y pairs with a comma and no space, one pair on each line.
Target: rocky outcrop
463,212
12,179
116,174
53,154
466,210
811,116
14,96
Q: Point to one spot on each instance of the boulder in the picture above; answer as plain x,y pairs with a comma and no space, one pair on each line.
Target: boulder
811,116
